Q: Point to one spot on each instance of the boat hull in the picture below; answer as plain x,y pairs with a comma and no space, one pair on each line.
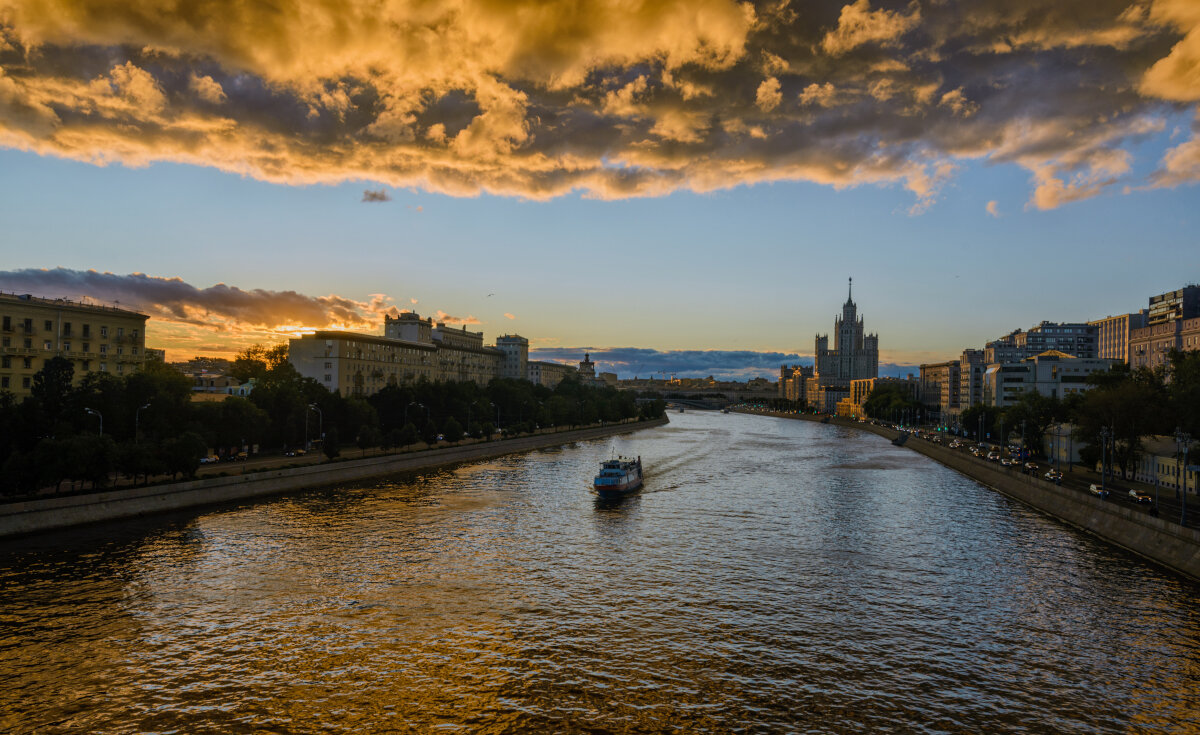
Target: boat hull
617,491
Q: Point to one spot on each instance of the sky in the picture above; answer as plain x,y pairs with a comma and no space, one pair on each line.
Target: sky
680,187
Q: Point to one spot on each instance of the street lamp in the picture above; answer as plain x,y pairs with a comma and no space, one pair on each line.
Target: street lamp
1105,433
1183,441
98,415
320,423
137,417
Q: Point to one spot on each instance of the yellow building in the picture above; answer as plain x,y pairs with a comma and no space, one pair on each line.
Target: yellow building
94,338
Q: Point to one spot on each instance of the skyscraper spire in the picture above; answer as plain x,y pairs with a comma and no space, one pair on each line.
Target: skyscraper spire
850,293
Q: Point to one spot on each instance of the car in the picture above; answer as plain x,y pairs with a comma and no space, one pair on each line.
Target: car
993,456
210,459
1098,491
955,444
1139,497
1031,466
1053,475
1009,462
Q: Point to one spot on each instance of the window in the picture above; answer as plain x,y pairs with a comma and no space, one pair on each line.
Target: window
67,346
133,350
4,382
28,343
49,326
133,333
103,349
5,362
120,350
28,363
66,329
103,331
328,365
87,347
5,342
87,330
25,382
86,365
327,377
46,344
27,325
8,323
120,332
104,367
120,368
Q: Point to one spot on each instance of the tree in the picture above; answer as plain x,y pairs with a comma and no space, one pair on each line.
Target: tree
330,445
453,431
53,384
181,454
409,435
1130,404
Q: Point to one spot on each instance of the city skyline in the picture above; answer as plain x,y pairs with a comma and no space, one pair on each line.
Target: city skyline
726,166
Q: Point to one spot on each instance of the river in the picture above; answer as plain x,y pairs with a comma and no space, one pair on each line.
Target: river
773,576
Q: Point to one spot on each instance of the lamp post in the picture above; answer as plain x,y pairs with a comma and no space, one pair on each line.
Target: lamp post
98,415
1182,441
137,420
320,423
1104,434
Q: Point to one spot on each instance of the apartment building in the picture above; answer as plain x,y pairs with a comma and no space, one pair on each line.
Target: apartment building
94,338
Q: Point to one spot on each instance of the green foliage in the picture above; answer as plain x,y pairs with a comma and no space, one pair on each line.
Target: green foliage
52,385
409,435
890,401
453,430
330,445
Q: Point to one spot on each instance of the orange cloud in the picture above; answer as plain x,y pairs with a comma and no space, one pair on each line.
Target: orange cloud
611,98
184,316
508,316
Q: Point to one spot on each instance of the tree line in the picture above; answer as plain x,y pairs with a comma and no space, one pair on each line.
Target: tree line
145,424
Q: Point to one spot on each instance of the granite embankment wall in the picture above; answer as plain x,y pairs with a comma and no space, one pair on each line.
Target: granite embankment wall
45,514
1113,520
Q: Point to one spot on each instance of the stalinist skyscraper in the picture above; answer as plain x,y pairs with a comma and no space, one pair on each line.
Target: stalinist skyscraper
855,355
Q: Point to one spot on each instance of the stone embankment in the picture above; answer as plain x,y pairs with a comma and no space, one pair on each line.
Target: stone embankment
1163,542
45,514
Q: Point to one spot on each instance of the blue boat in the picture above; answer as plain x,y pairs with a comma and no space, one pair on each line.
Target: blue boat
618,477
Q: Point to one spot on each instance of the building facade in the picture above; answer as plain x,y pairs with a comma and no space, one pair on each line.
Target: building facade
1113,334
412,349
970,376
1150,346
1174,305
94,338
854,356
793,382
1054,374
941,386
1076,339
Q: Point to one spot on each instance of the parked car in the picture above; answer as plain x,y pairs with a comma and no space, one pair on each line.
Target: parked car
1098,491
1139,497
210,459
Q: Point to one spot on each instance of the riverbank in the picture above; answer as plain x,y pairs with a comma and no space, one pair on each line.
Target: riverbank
46,514
1162,542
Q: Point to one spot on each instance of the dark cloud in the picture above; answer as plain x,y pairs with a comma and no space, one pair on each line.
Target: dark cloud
379,195
537,98
174,300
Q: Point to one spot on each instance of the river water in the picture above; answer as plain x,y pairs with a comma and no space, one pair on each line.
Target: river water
773,576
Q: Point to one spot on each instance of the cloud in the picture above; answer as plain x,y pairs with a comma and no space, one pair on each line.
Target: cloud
993,208
768,96
443,318
379,195
611,99
508,316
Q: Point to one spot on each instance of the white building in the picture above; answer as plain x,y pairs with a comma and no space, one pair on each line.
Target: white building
1055,374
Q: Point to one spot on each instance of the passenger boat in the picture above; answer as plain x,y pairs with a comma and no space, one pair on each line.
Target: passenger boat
618,476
